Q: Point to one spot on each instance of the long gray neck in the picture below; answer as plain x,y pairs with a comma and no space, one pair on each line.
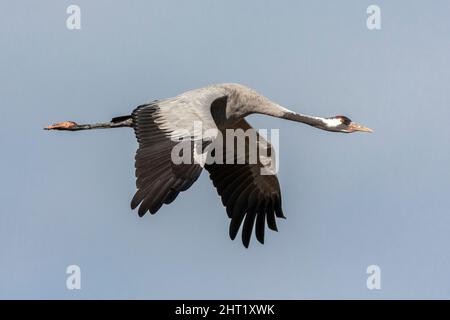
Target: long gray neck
275,110
310,120
243,101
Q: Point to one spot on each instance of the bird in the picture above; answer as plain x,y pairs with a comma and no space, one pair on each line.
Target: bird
251,199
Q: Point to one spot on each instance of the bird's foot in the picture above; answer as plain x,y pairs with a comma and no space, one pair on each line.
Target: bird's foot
66,125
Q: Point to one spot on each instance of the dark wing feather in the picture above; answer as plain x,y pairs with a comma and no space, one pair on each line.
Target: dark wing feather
159,180
250,198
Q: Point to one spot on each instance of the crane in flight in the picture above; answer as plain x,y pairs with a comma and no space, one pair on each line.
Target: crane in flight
251,198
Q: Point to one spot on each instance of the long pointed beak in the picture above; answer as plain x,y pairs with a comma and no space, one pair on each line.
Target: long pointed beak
357,127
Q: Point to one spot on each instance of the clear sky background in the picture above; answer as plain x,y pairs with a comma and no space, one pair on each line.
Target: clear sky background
351,200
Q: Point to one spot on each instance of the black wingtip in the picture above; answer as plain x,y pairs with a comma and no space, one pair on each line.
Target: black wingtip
142,211
232,233
135,201
271,221
156,208
279,211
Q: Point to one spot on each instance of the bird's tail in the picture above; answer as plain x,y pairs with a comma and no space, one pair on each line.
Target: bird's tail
120,119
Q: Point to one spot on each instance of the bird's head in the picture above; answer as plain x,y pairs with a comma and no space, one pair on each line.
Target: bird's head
343,124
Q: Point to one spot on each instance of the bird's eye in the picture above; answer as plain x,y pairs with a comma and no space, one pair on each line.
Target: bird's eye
345,120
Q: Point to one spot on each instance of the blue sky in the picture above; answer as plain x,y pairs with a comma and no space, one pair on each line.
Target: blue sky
351,200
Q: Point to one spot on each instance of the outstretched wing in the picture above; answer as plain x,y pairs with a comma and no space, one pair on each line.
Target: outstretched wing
247,194
159,179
